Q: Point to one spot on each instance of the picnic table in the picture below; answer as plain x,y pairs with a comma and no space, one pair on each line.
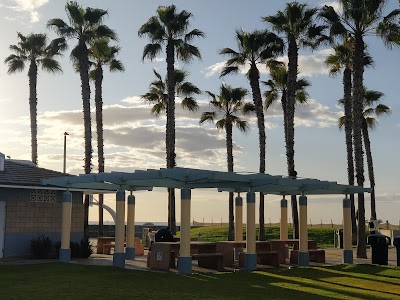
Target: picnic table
101,241
162,255
227,249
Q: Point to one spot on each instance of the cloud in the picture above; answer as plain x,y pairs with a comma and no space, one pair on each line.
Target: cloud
337,6
309,65
27,6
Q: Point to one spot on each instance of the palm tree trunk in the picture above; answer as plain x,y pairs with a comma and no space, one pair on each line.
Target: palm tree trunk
85,92
290,108
256,92
368,153
32,74
98,99
348,127
229,157
171,163
357,139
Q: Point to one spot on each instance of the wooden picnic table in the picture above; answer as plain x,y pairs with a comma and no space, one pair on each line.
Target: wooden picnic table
227,249
101,241
162,255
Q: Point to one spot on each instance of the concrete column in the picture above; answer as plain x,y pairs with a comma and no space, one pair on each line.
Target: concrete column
185,260
304,259
238,223
238,218
119,255
130,229
284,220
65,249
250,261
347,245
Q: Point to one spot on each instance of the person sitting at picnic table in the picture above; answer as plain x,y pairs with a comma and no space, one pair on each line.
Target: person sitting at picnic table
164,235
152,237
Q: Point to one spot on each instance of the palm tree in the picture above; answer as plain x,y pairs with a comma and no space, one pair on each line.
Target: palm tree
169,28
103,55
35,50
158,93
254,48
85,25
228,103
278,86
372,109
359,19
342,59
297,25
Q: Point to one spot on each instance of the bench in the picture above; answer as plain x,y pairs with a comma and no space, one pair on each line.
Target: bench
270,258
316,255
214,261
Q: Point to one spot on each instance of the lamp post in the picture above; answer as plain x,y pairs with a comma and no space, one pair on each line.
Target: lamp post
65,152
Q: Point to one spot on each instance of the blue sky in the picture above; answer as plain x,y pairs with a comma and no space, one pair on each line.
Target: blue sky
135,140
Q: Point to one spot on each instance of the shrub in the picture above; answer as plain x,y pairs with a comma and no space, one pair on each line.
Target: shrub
86,248
41,246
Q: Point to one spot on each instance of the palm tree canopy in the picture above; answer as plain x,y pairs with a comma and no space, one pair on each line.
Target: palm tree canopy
297,21
34,47
253,47
278,84
102,53
365,17
229,102
158,92
372,108
170,25
84,25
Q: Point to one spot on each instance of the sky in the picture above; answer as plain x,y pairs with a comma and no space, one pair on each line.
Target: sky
134,139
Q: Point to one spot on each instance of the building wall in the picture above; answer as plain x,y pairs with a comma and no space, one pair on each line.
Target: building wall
26,220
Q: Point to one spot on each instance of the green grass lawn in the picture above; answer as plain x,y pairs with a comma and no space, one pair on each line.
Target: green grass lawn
323,236
73,281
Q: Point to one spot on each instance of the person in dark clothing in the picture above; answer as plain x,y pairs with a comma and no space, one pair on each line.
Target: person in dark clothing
164,235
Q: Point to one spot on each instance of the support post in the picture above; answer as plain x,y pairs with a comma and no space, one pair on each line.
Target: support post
130,229
65,249
304,259
284,219
250,261
238,223
347,244
119,255
185,259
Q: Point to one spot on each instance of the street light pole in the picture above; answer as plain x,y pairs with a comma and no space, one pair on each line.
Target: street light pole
65,152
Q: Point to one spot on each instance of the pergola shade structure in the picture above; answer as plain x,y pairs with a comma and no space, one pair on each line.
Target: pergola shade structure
187,179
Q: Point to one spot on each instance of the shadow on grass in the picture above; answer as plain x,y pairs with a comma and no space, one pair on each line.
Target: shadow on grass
74,281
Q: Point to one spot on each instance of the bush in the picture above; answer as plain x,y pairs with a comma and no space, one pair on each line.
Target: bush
86,248
41,246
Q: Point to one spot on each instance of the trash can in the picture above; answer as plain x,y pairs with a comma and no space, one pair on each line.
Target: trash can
379,244
338,238
396,243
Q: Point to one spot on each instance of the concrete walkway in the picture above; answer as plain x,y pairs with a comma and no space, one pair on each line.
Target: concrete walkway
333,257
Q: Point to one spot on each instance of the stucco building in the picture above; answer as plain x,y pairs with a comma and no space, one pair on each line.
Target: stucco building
29,209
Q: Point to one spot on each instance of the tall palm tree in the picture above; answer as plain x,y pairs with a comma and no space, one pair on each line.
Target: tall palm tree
102,54
169,28
254,48
297,25
85,25
372,109
228,103
359,19
342,59
35,50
